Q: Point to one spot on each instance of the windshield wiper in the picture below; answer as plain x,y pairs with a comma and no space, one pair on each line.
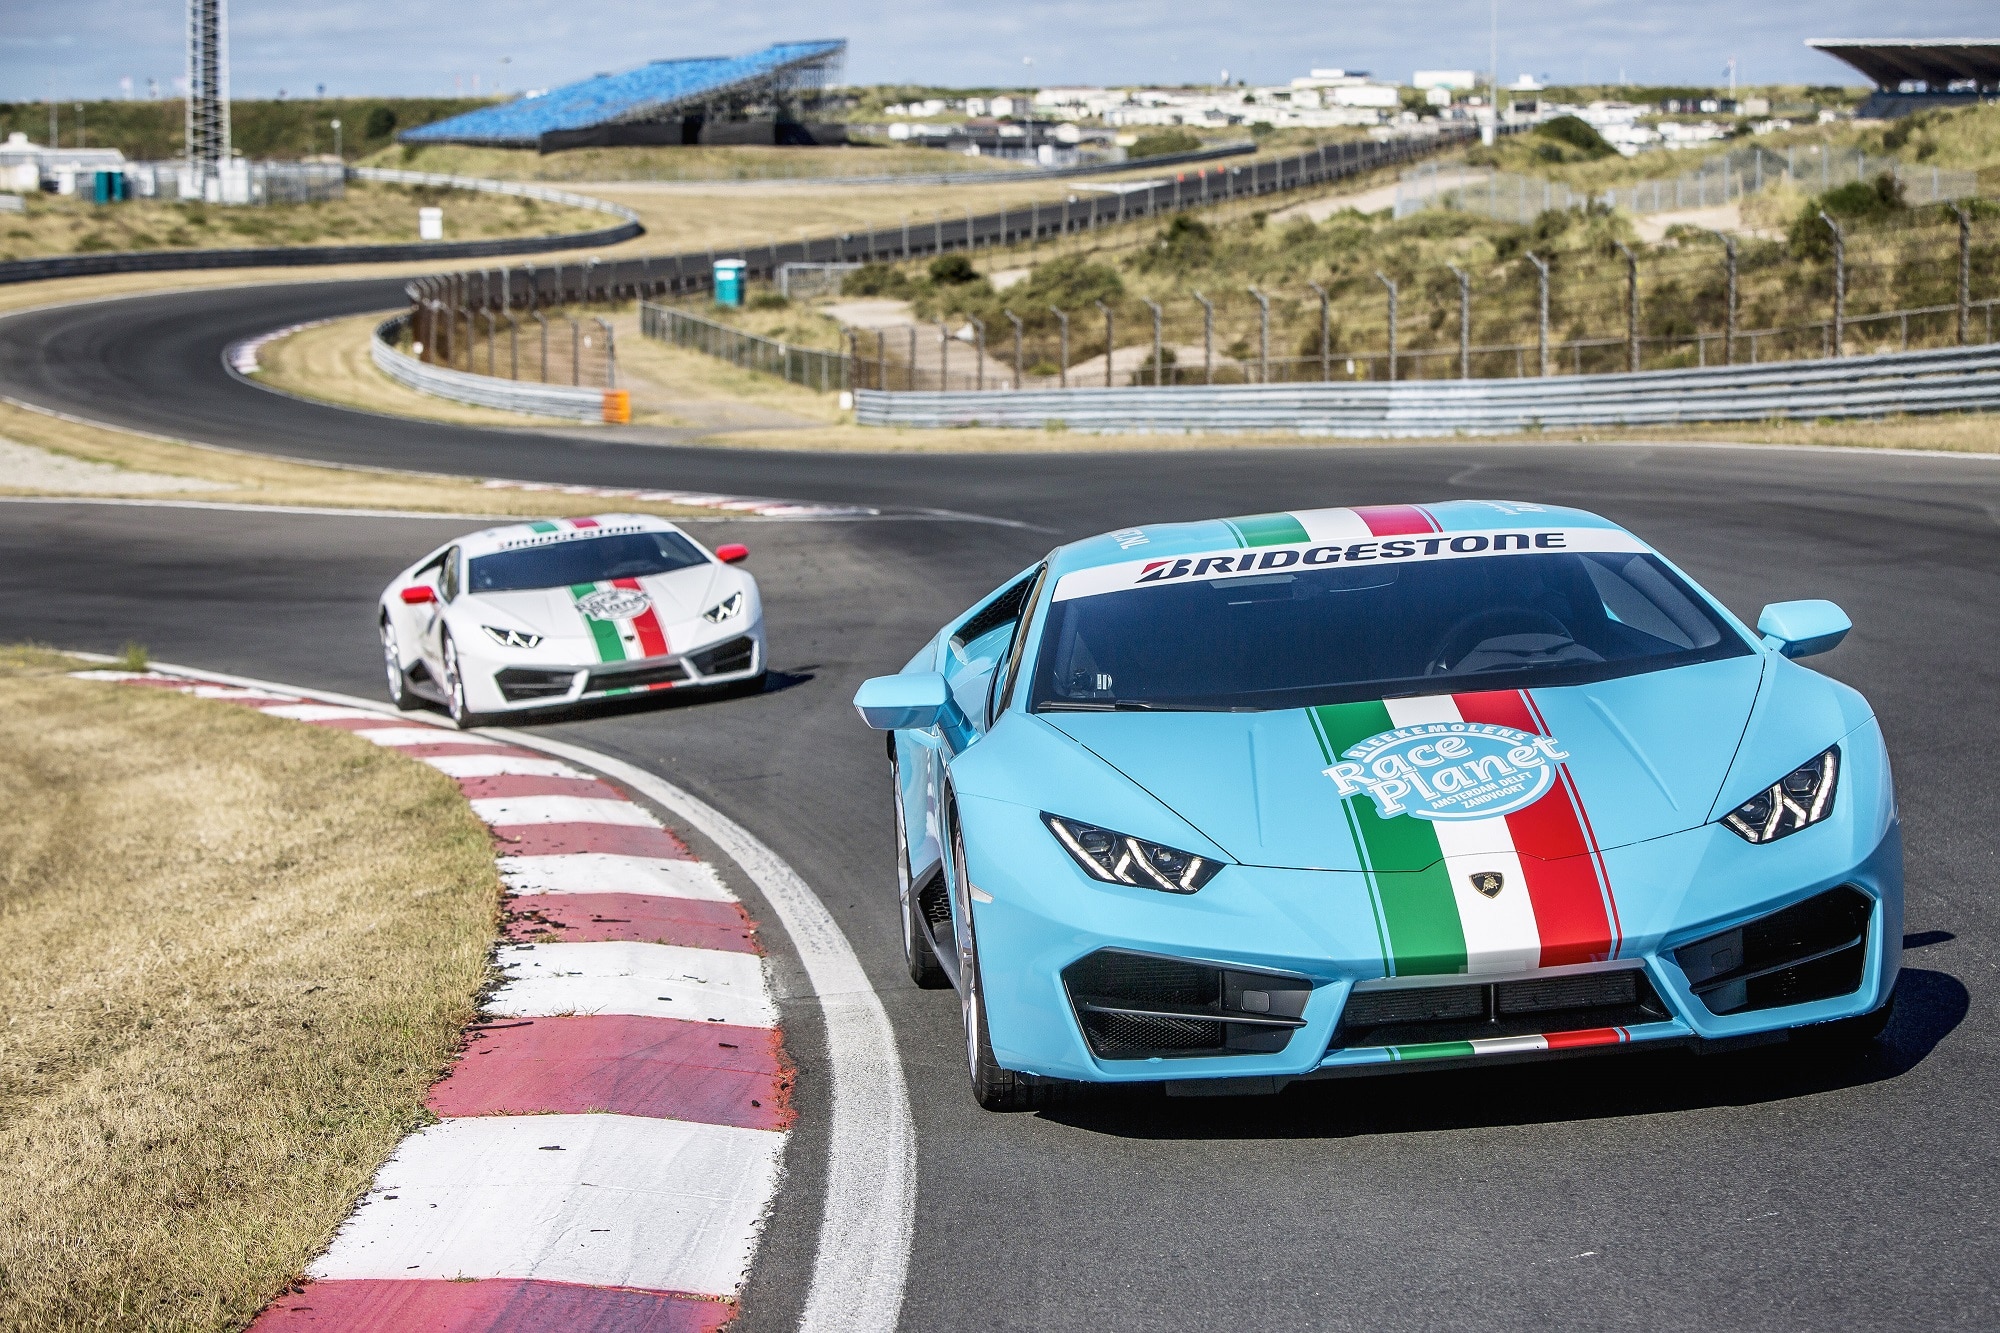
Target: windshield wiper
1115,706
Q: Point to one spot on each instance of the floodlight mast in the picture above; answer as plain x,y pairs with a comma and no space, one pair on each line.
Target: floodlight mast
208,88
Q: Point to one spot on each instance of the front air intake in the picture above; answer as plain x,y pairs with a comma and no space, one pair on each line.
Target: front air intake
519,683
1414,1015
1134,1006
725,658
1812,950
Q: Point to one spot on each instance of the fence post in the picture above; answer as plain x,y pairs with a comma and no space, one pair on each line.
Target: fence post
1109,335
906,235
910,373
1015,320
944,355
1157,363
1542,325
492,337
1839,285
882,359
978,352
543,321
1063,321
1464,321
513,348
969,236
1325,334
1207,335
610,356
1388,282
575,353
1964,272
1263,336
1631,306
1729,314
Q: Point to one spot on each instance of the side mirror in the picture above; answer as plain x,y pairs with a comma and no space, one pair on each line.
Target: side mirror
732,554
913,701
1800,629
418,593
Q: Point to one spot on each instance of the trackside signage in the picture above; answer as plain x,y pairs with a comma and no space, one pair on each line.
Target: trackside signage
1264,560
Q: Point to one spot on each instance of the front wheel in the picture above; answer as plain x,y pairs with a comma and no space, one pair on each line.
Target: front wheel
392,662
456,704
994,1088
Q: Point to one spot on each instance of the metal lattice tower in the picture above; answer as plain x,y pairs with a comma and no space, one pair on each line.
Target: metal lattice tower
208,86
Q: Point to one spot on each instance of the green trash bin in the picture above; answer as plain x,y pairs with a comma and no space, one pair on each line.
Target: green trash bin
729,277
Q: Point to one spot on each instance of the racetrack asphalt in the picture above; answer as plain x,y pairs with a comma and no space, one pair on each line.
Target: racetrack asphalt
1760,1188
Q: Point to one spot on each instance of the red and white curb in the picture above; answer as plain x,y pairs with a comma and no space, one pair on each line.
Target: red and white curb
612,1136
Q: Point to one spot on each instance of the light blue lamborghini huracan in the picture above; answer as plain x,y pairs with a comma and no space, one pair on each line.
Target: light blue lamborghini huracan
1229,804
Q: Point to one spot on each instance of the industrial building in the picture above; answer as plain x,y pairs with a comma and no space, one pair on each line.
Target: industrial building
766,97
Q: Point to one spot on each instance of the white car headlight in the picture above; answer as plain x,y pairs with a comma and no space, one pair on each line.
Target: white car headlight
512,638
729,607
1798,800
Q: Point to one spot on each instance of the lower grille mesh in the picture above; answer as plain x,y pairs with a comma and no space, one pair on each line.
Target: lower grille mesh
1413,1015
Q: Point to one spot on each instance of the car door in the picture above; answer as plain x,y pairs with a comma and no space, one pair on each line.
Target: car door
970,651
448,579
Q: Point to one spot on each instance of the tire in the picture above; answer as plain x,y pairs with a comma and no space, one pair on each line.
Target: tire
994,1088
461,712
1848,1036
392,662
919,956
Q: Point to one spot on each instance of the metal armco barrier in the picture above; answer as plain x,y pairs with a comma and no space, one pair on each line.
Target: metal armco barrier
548,400
300,256
1952,380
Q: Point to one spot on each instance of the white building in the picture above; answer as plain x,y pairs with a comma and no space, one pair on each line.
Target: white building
1453,80
24,164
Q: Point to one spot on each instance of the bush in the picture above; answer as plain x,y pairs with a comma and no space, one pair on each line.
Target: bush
1578,134
1162,142
953,271
1184,244
876,280
769,301
381,122
1070,283
1856,201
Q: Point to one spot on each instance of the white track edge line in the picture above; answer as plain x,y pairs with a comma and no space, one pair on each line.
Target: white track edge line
867,1222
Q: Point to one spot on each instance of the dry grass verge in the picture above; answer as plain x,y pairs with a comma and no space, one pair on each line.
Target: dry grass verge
241,950
258,479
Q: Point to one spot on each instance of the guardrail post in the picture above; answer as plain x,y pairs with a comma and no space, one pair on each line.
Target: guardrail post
1964,272
1207,339
1016,321
1839,347
1158,364
1542,318
1389,282
1631,306
1062,320
1464,321
1263,336
1325,334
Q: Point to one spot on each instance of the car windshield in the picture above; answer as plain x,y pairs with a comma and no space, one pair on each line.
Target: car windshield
628,555
1307,637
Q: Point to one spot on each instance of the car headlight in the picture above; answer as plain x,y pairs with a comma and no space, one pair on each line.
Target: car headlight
512,638
1120,858
1801,798
729,606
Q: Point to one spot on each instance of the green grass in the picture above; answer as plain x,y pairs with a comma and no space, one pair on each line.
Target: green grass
153,131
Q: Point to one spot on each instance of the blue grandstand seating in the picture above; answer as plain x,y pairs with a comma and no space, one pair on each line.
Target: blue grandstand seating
651,92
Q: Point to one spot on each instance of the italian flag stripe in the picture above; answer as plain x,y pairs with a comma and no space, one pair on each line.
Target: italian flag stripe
1555,905
604,632
583,522
1415,909
1575,914
543,525
652,639
1549,1041
1396,520
1269,530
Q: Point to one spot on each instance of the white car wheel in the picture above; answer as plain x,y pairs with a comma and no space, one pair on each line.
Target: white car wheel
392,663
454,689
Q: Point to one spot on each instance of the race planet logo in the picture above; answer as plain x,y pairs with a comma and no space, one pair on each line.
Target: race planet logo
1450,770
613,603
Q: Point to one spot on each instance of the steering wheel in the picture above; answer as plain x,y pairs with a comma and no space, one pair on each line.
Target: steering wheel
1472,630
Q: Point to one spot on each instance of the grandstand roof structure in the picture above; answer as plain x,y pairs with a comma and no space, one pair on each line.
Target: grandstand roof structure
780,77
1945,64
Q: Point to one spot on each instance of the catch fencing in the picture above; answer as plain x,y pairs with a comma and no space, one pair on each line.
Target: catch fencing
488,390
1722,179
815,368
1952,380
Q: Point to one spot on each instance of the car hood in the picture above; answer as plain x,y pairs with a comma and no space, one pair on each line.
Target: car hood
1593,767
674,597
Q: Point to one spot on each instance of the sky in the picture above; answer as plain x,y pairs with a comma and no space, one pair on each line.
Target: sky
86,49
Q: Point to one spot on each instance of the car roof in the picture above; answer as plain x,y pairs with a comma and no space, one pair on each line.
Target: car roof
1308,526
552,531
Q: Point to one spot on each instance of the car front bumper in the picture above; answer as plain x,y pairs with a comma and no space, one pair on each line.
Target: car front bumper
1044,916
501,681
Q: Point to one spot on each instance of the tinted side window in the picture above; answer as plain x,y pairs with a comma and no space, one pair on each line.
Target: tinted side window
448,577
